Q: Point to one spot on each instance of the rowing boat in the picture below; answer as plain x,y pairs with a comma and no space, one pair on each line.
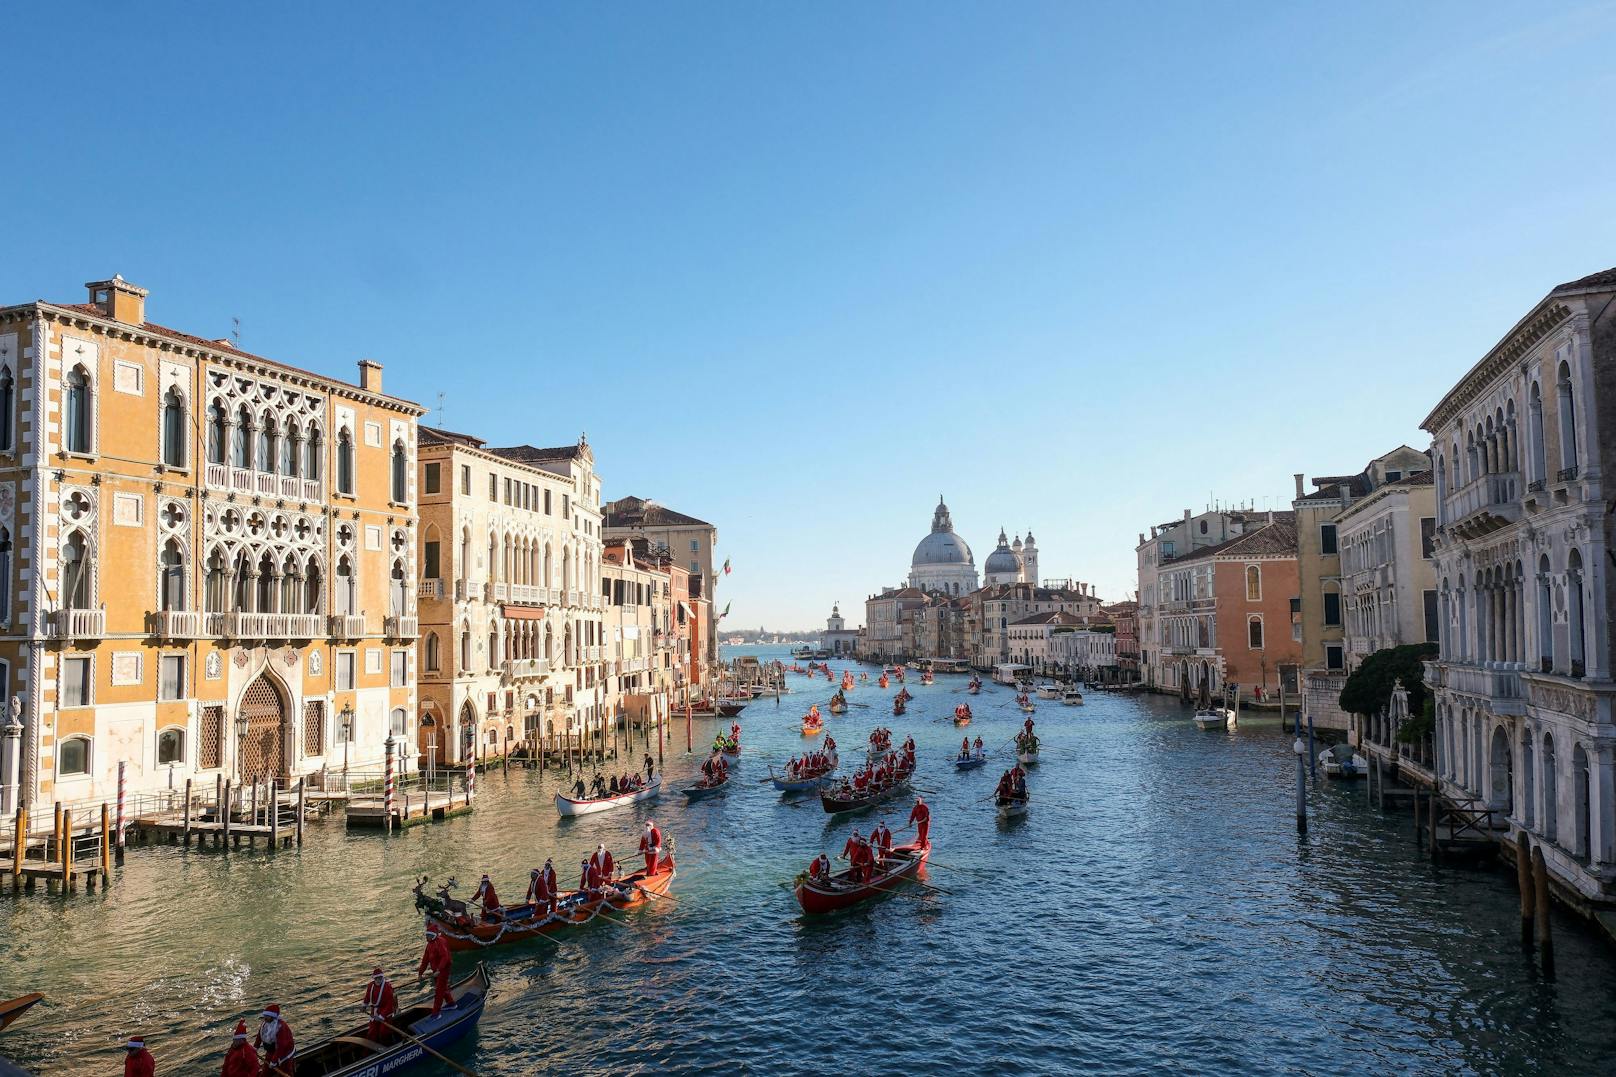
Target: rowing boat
801,784
812,730
841,891
353,1054
12,1009
519,923
729,708
1009,807
835,802
1027,759
969,762
569,806
706,787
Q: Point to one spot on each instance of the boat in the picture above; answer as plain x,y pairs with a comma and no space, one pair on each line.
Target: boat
1338,761
706,787
1026,749
1072,697
1048,691
898,705
463,931
812,729
969,762
1214,717
974,685
1027,707
12,1009
836,802
352,1053
962,714
841,891
802,784
730,707
1010,807
727,746
569,806
838,704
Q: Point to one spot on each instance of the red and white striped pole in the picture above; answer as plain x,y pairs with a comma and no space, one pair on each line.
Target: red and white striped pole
387,794
118,831
471,777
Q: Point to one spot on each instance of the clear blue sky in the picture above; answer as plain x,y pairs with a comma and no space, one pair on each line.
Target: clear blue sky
798,269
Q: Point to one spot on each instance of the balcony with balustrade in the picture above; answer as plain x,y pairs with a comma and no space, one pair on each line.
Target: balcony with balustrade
1484,505
430,589
263,483
522,668
175,624
1500,687
525,594
348,626
397,626
77,624
267,626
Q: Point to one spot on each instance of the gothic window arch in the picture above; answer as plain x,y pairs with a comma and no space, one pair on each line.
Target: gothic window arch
8,407
1568,418
216,590
173,428
80,411
218,432
396,590
311,453
345,595
5,576
76,590
267,575
400,472
1574,611
313,587
291,449
171,576
242,438
345,461
242,569
432,648
291,600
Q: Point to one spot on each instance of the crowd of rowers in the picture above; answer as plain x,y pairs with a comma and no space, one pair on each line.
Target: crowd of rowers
879,775
597,874
881,740
730,742
865,855
618,785
714,770
814,764
1012,787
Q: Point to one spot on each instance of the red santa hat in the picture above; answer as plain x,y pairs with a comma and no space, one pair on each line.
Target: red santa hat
272,1011
241,1031
136,1042
377,973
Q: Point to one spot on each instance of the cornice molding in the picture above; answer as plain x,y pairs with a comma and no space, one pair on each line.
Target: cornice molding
1523,338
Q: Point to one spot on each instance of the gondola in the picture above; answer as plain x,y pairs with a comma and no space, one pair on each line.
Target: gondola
706,787
838,706
729,708
463,931
962,715
569,806
12,1009
835,803
812,730
840,891
353,1054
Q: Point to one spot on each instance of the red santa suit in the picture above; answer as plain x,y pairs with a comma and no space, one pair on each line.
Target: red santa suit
883,839
381,1004
851,849
602,861
920,816
486,897
138,1062
241,1060
437,958
275,1039
651,847
541,890
820,868
589,877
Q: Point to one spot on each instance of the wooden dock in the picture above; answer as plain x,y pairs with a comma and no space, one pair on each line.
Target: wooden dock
261,811
410,807
70,852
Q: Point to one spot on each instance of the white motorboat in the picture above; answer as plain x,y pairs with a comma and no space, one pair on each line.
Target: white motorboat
1341,761
1214,718
1072,697
588,806
1049,691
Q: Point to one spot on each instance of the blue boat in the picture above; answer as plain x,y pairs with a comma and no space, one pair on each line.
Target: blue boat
355,1055
969,762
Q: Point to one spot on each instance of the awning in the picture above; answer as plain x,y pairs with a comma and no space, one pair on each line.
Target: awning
688,612
523,613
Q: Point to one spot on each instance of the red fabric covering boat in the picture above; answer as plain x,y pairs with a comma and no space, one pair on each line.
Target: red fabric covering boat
466,931
840,891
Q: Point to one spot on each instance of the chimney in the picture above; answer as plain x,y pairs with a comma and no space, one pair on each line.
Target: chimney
119,300
1141,538
370,375
1270,515
1298,478
1345,492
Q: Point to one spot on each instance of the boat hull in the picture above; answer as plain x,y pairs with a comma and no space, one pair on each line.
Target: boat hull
352,1055
817,899
12,1009
702,792
970,764
1026,759
836,805
1012,810
519,924
812,730
567,807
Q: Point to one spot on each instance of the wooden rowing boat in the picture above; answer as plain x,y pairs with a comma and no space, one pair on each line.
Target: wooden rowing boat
519,923
706,787
570,806
1010,807
835,803
812,730
352,1054
729,708
12,1009
841,891
970,762
1027,759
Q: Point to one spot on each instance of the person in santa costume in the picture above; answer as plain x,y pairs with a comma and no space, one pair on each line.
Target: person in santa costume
602,861
651,846
920,818
437,958
137,1061
380,1005
486,897
275,1040
241,1060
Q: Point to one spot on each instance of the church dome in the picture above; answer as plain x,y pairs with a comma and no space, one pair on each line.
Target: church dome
1002,560
942,546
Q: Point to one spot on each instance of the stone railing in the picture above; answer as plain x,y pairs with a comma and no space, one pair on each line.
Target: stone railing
271,625
527,595
176,624
400,627
1501,686
432,588
77,624
347,625
517,668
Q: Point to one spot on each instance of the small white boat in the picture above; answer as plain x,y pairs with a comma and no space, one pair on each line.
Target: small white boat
568,806
1049,691
1012,808
1027,759
1214,718
1072,697
1341,761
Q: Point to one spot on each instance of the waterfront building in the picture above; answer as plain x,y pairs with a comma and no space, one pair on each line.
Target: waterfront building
1166,543
1224,612
837,638
939,626
996,607
509,591
644,667
1038,641
1523,682
689,541
205,557
942,560
886,616
1320,601
1388,576
1125,615
1089,652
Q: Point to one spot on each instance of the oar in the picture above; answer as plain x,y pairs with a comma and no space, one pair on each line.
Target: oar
440,1056
653,893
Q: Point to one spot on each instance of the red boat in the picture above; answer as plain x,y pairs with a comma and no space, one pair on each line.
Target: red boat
840,891
844,798
463,930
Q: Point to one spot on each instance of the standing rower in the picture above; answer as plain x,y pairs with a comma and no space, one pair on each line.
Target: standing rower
380,1003
486,897
920,817
541,889
437,958
137,1061
241,1060
275,1038
602,862
651,846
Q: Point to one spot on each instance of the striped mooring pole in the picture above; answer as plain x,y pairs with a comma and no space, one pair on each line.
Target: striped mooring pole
387,787
118,825
471,777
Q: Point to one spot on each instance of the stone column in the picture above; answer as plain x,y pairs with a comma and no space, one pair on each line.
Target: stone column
1601,807
11,758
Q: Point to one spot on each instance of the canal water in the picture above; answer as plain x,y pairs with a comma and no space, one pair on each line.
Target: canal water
1155,912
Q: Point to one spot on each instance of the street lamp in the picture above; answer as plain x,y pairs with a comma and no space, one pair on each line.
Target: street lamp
345,719
1300,748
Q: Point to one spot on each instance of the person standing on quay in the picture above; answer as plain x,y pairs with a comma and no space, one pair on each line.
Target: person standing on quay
437,958
137,1061
241,1060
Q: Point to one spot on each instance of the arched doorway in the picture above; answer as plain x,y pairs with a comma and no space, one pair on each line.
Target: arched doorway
468,729
262,719
1501,774
429,740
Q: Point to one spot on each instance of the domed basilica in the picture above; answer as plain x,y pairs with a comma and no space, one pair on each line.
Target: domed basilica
943,560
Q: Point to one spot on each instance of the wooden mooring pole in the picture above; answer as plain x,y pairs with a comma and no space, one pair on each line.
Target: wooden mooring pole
274,813
1523,880
1416,818
224,815
19,850
106,846
185,834
302,790
1540,905
66,849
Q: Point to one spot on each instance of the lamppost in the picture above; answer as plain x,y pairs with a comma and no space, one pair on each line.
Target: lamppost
345,720
1300,748
241,740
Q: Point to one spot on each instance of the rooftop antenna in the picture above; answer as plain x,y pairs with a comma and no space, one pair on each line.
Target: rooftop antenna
235,331
440,412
